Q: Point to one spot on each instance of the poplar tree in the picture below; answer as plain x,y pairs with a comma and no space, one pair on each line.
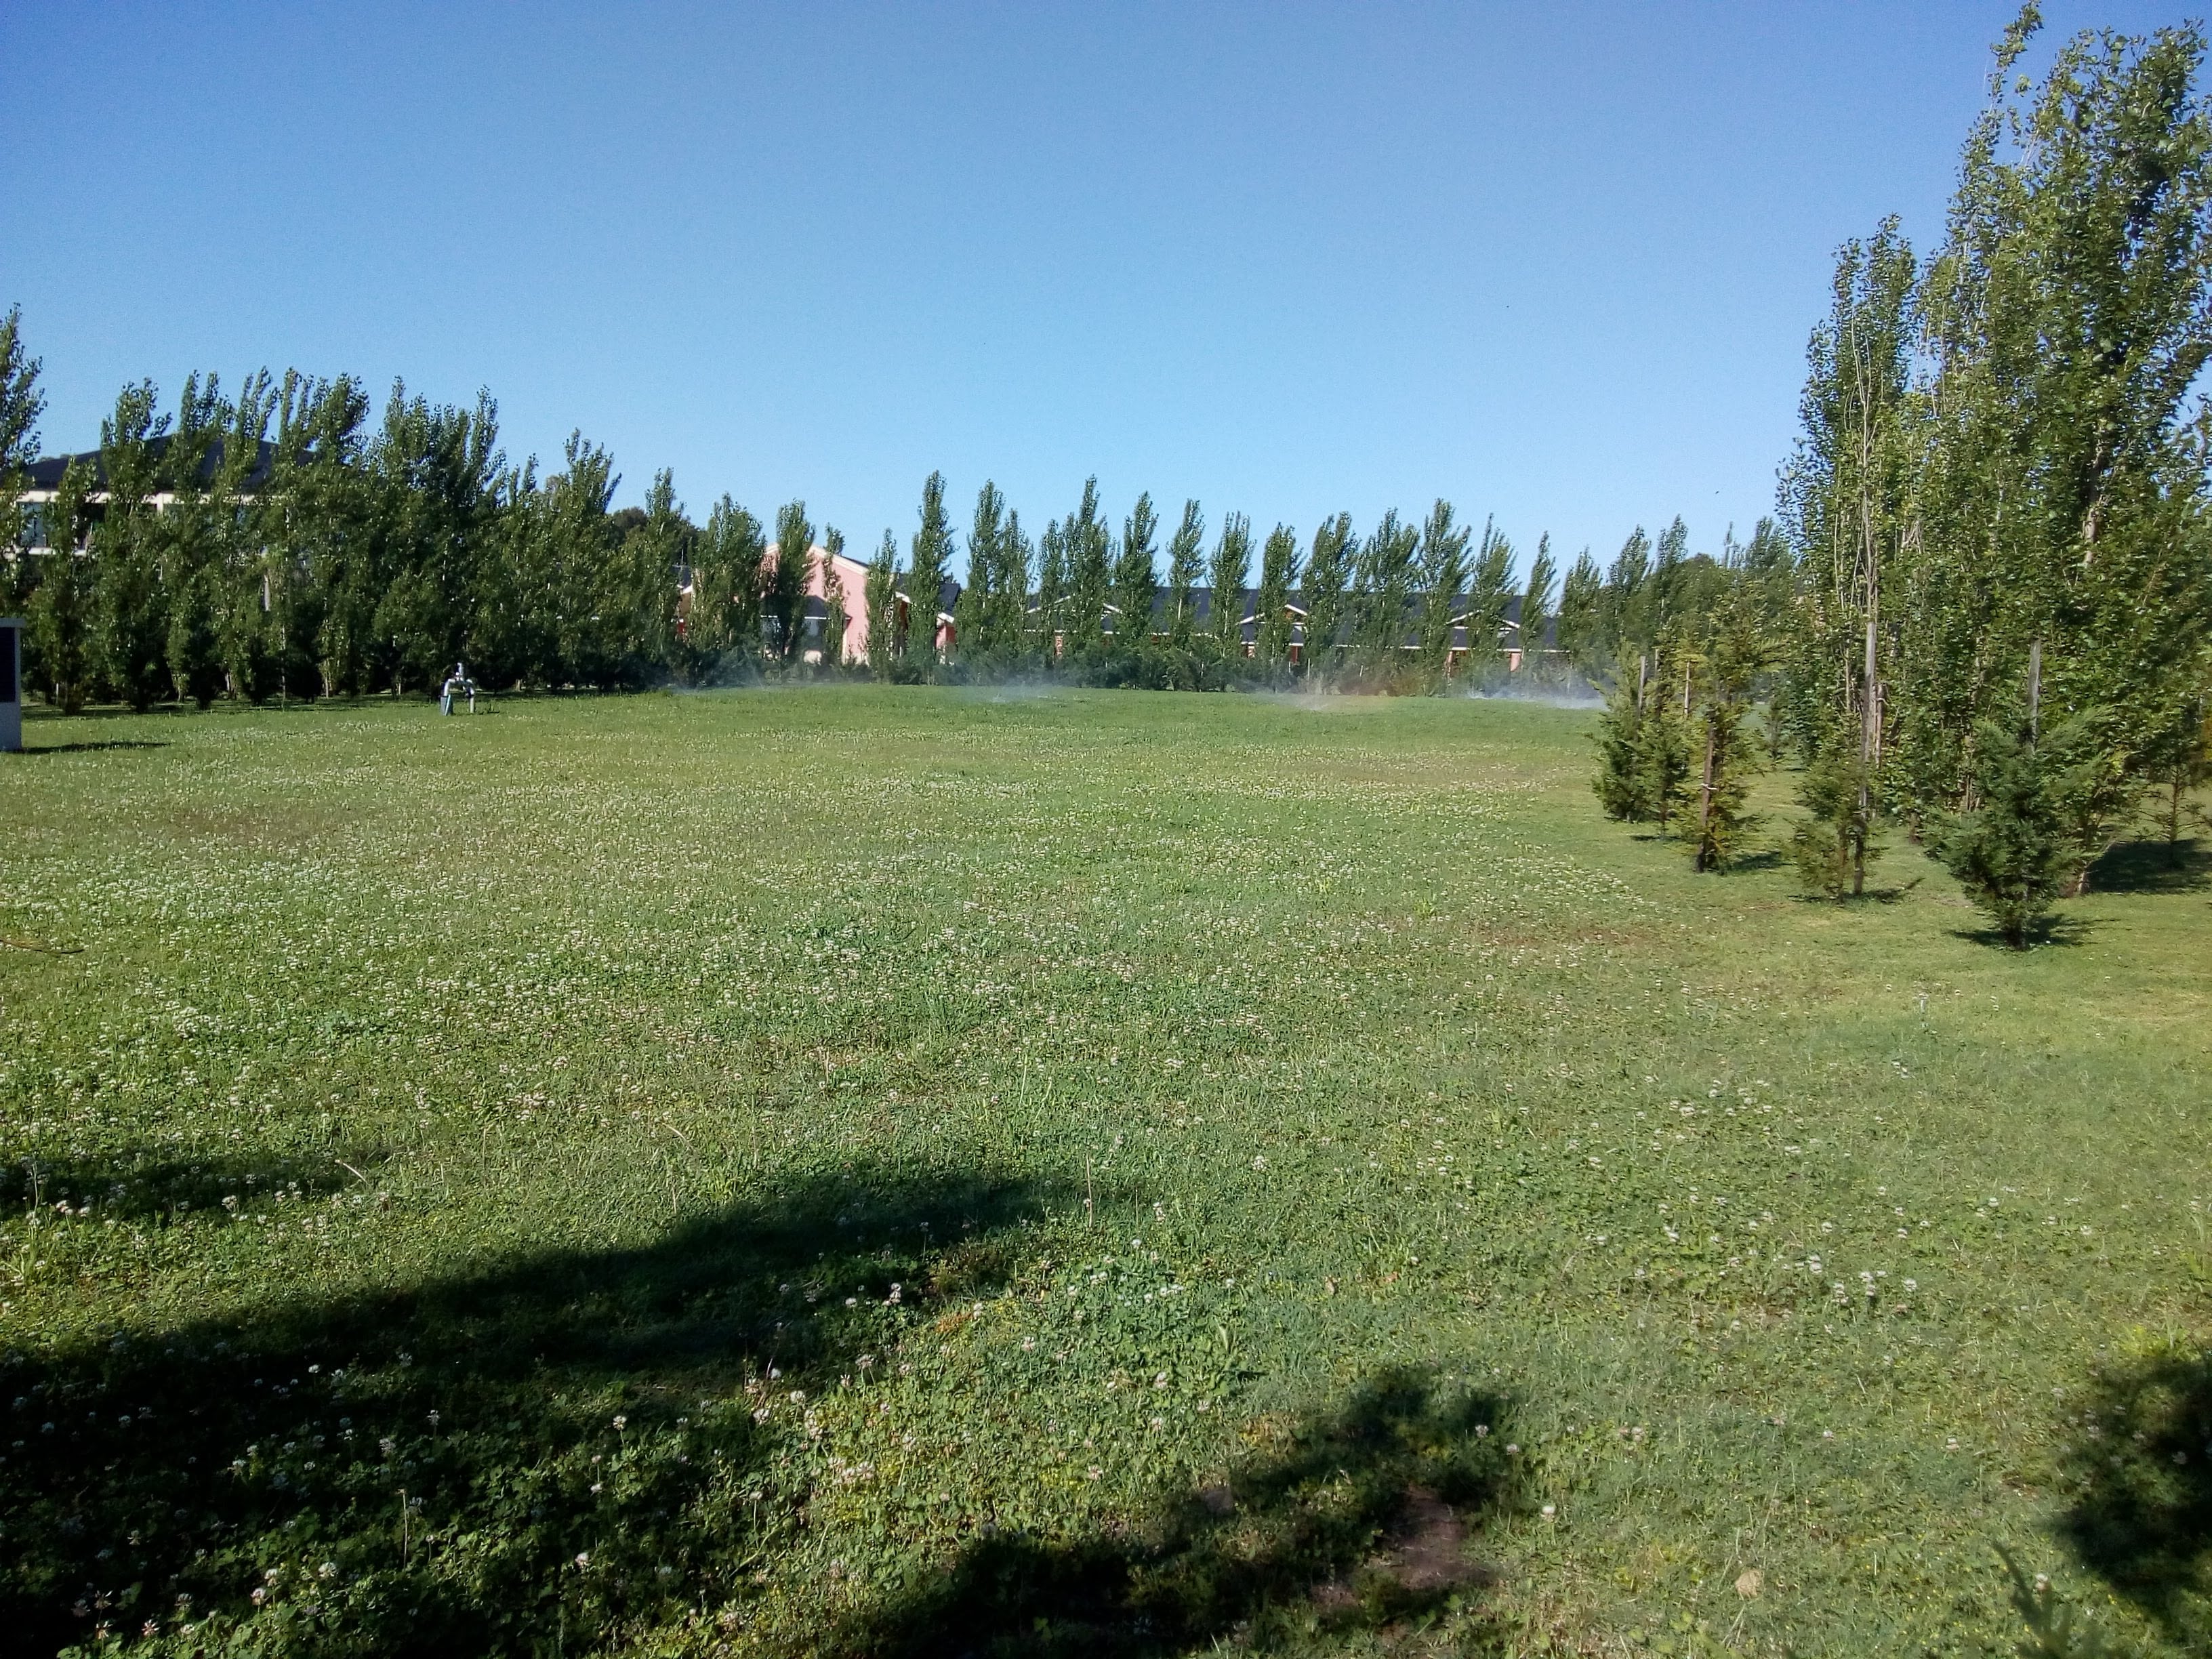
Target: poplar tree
784,600
973,614
883,608
1230,571
1328,577
1625,618
834,615
1536,603
1581,598
1185,549
130,620
1006,613
1490,589
1052,592
1444,575
1090,572
1135,584
20,405
62,604
1847,489
929,561
1385,580
1279,575
2062,499
723,623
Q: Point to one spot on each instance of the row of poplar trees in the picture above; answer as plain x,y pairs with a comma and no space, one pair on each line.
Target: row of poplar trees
1992,623
277,543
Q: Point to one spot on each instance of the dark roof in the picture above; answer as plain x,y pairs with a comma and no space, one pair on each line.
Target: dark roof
46,471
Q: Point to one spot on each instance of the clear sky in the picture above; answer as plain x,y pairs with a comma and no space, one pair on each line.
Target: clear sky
1556,263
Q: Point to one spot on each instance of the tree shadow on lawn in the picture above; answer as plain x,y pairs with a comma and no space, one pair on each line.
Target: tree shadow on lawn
148,1187
90,744
573,1441
1358,1522
2153,866
2142,1463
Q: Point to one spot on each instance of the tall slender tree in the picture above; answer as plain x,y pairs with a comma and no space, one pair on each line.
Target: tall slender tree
1185,550
1536,605
883,608
973,614
1328,577
1231,570
1581,596
1135,584
834,615
1278,577
784,601
21,403
1489,590
929,563
1444,577
1088,543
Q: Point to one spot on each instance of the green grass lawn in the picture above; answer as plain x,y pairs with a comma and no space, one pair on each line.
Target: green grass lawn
919,1171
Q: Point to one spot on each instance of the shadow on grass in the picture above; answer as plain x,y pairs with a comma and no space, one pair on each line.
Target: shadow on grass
567,1444
172,1188
2063,932
2153,866
2140,1461
1359,1520
90,744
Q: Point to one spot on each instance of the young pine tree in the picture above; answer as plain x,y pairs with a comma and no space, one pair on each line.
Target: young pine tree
1841,834
1725,755
1620,783
1664,739
2012,852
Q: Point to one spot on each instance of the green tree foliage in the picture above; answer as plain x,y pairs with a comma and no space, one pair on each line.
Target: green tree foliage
20,405
1384,580
1229,573
883,639
1135,584
129,610
1841,834
1444,575
722,619
1582,597
1490,586
929,563
61,609
836,617
1733,653
1329,579
1051,593
1664,740
1536,603
1622,782
1186,548
1624,612
2012,851
977,617
783,600
1278,577
1088,544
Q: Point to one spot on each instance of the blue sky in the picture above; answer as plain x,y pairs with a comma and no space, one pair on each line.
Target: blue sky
1555,262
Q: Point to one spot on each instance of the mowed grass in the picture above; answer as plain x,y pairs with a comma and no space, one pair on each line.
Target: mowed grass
859,1171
